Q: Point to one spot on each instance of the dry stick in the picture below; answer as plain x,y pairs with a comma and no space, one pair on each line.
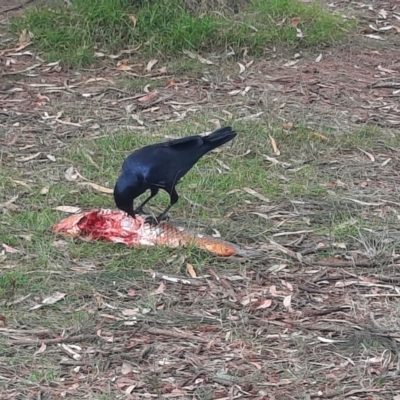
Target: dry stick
73,363
177,335
390,85
311,290
16,7
342,394
361,263
283,249
177,279
330,310
53,341
20,71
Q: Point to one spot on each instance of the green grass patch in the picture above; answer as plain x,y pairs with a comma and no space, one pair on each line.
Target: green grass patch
73,34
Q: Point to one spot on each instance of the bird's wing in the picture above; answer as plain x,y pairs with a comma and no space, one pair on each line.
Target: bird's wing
184,143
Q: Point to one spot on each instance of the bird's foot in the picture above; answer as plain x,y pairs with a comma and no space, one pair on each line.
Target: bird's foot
140,211
155,221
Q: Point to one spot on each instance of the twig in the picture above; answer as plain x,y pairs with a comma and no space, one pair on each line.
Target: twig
346,264
73,363
290,253
20,71
291,233
16,7
363,203
390,85
345,395
67,339
177,335
176,279
330,310
311,290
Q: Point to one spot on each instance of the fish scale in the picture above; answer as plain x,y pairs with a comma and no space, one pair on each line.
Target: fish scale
116,226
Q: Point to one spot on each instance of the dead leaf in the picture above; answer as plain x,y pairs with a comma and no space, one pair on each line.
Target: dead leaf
52,299
299,33
126,368
24,39
370,156
123,67
200,58
13,139
287,284
265,304
376,37
274,146
319,58
60,244
148,97
323,137
191,270
234,92
273,291
129,312
134,20
171,83
44,190
160,289
287,125
277,267
151,64
217,233
130,389
22,183
287,301
28,158
291,63
256,194
387,70
90,80
295,21
9,249
97,187
242,68
9,202
71,174
41,349
382,14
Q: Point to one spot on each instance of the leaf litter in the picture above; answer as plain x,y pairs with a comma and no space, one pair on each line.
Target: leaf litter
237,334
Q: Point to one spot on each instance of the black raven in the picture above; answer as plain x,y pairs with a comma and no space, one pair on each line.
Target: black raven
161,166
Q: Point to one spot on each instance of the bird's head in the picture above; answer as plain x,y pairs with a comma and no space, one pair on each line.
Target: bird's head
125,193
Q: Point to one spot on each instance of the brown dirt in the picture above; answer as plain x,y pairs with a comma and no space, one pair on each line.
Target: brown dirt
318,329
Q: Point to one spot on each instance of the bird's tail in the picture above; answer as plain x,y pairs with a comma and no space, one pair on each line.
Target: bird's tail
219,137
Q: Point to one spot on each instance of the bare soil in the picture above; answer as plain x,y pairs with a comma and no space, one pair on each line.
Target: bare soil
293,325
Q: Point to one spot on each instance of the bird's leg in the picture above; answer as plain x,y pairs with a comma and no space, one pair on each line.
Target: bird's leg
139,209
173,199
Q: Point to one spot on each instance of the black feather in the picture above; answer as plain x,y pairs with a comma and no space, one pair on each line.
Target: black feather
161,166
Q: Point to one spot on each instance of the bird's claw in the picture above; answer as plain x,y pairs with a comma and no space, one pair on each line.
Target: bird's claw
155,221
151,220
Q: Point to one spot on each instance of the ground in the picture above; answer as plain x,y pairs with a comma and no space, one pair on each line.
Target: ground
315,316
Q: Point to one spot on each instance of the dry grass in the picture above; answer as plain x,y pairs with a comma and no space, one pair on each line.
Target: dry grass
315,317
